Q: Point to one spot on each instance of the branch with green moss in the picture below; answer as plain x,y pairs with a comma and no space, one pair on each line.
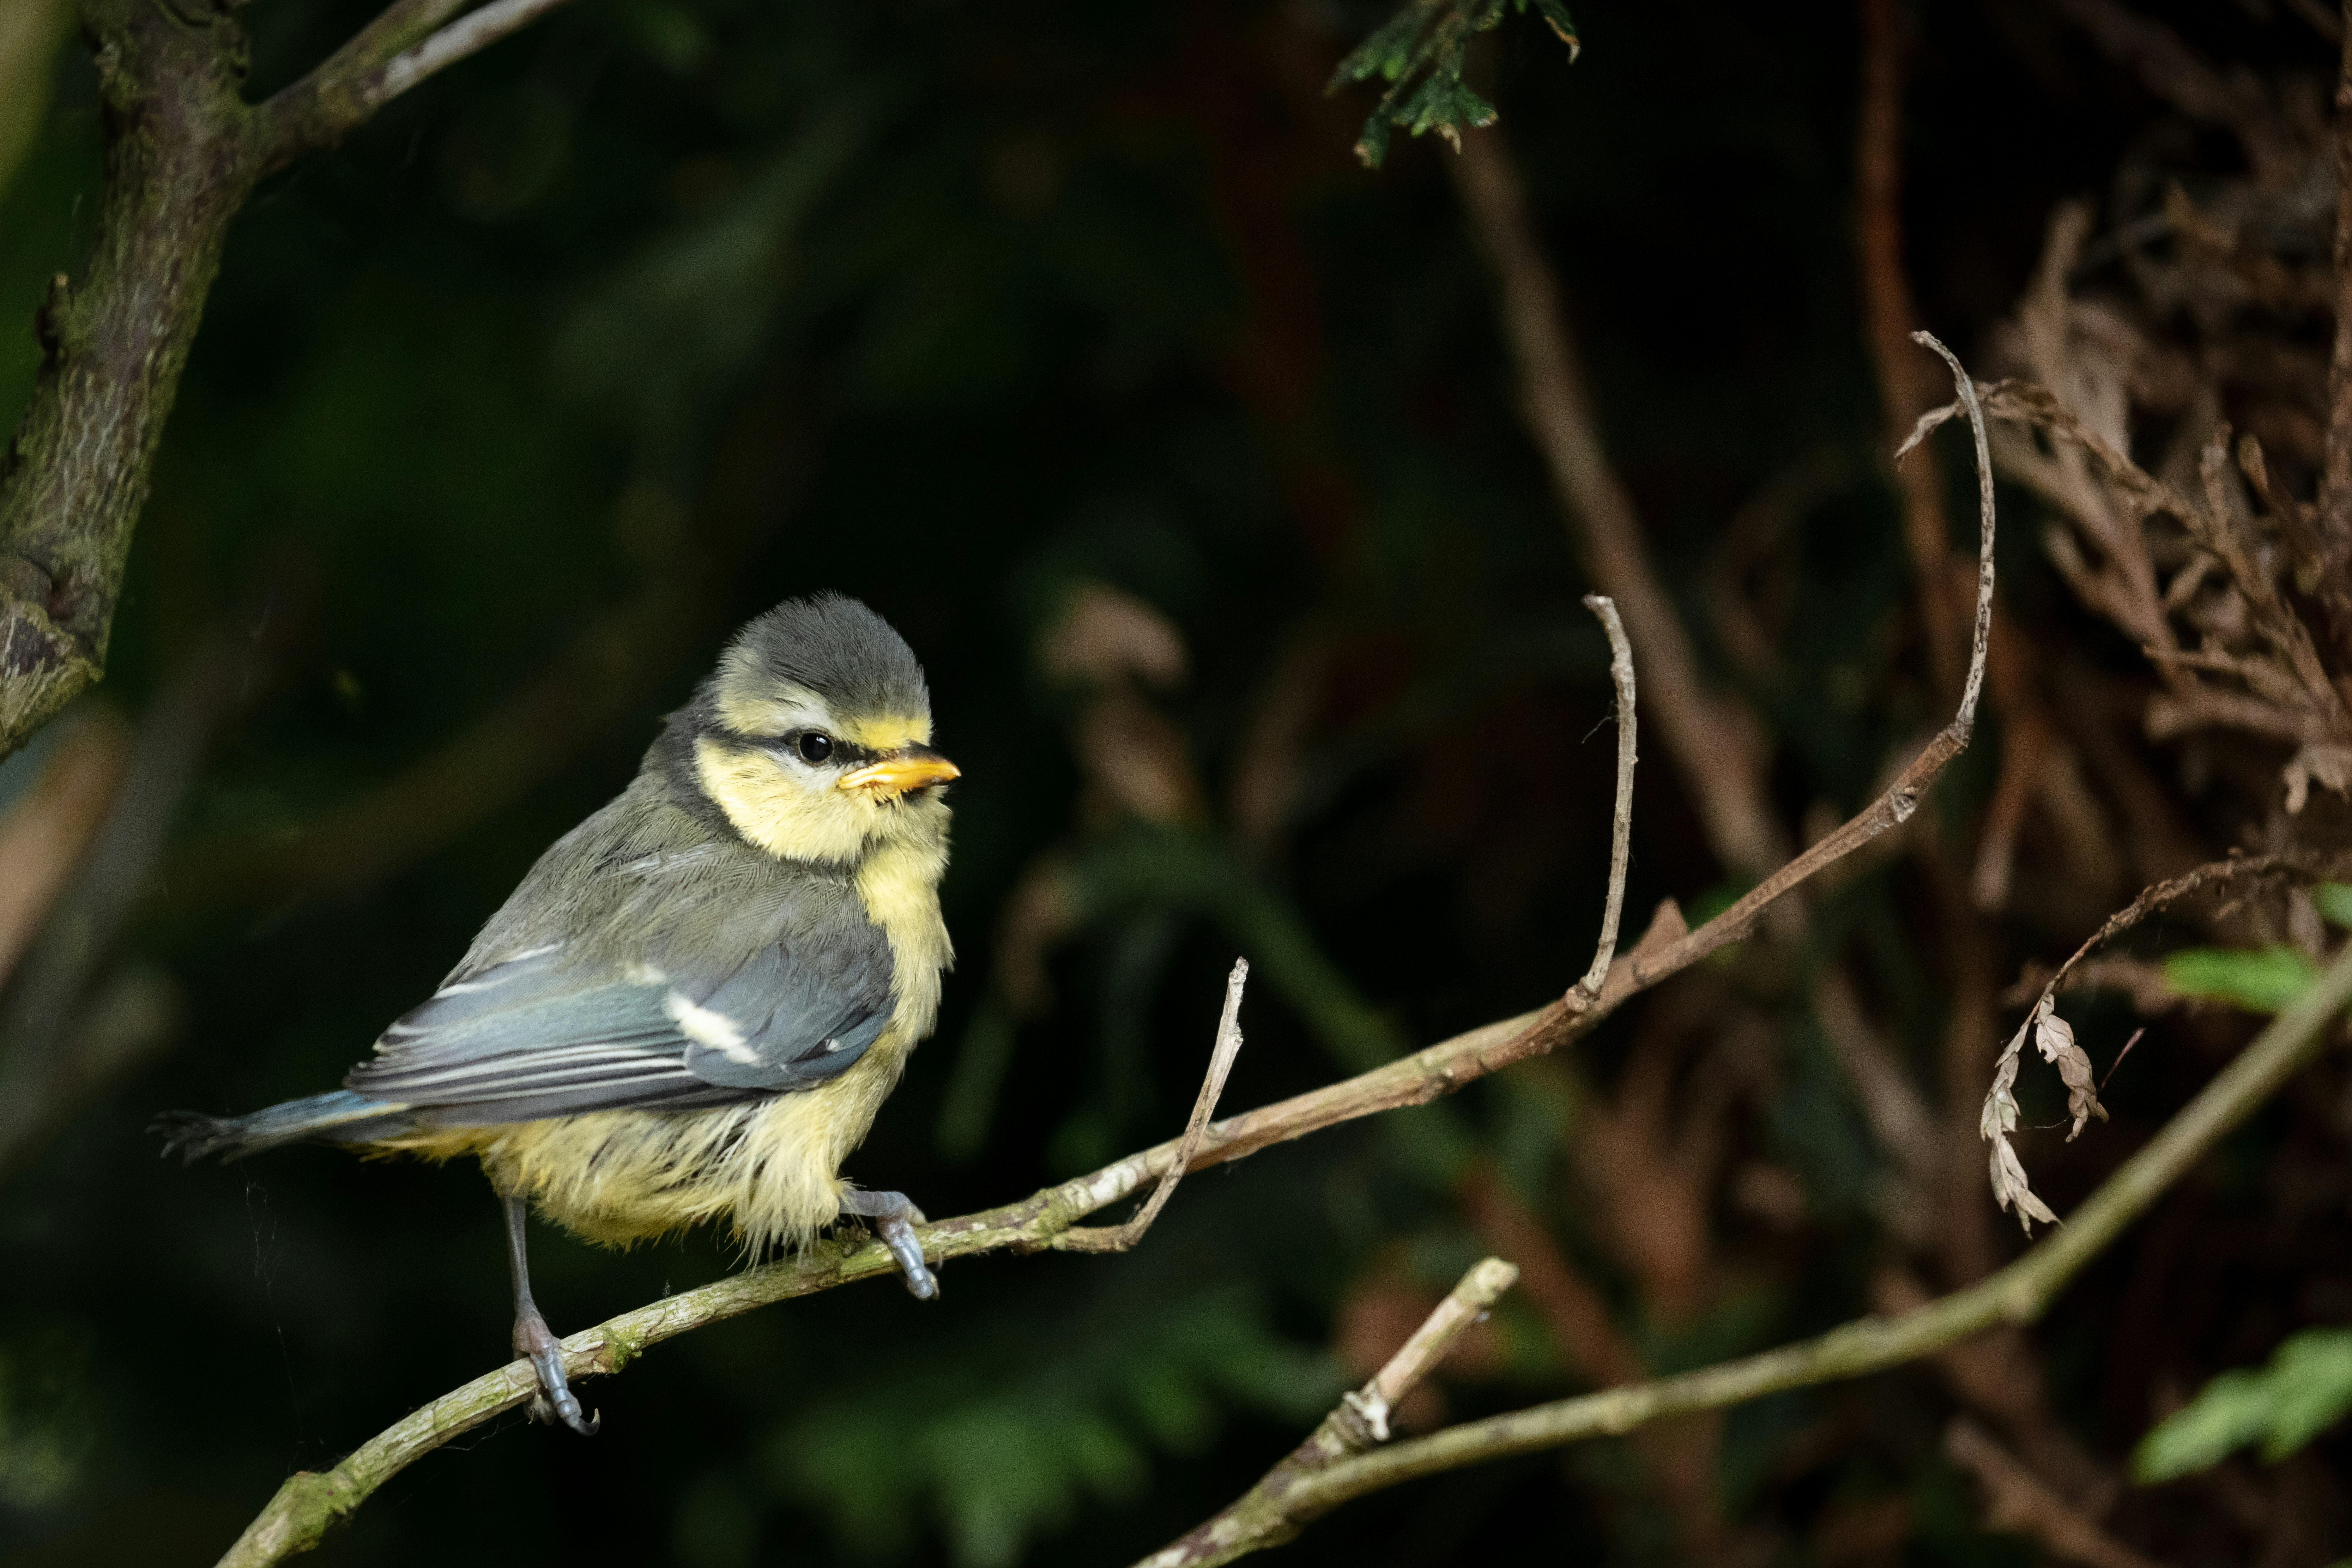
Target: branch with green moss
182,154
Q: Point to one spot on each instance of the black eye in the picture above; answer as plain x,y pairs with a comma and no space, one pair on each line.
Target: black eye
813,746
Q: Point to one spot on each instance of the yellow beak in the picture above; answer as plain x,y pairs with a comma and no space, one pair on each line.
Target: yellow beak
908,767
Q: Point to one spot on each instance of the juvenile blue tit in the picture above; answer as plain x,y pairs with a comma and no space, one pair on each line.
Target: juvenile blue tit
695,1001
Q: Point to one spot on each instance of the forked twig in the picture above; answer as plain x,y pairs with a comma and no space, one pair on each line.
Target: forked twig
407,43
1257,1518
1586,991
1119,1238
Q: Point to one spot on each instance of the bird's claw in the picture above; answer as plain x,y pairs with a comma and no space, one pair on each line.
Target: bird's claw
555,1402
899,1234
895,1219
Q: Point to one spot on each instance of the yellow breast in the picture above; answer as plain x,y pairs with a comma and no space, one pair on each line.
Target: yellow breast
900,885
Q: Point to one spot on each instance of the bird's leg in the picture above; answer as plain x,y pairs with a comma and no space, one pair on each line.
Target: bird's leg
533,1339
896,1219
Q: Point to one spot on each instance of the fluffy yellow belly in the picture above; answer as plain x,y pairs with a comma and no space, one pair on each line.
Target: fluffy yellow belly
770,1169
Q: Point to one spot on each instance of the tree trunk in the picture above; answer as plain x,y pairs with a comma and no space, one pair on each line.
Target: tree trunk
181,156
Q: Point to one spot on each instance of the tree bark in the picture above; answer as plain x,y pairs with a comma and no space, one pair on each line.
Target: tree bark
181,156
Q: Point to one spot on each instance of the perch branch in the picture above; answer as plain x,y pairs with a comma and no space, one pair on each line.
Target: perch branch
1119,1238
2017,1294
1620,827
309,1503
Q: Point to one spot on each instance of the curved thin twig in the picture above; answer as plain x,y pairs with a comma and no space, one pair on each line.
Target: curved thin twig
1621,830
1119,1238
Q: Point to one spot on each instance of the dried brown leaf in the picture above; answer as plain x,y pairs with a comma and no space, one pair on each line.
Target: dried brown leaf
2054,1038
2010,1190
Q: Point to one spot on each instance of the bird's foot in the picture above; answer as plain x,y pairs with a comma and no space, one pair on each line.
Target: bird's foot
537,1343
895,1219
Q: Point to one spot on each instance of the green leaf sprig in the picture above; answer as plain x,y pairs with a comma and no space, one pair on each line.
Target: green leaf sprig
1419,53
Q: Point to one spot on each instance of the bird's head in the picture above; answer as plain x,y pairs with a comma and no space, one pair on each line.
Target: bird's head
813,735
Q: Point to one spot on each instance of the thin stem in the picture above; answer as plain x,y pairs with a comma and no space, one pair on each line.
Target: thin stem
475,31
1478,1288
1119,1238
1621,831
392,54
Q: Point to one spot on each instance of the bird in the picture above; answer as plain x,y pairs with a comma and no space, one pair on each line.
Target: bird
694,1005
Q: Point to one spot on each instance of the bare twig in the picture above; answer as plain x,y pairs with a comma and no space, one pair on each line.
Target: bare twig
2018,1501
1368,1408
1119,1238
2017,1294
2120,1055
1257,1518
468,35
1585,992
399,50
1713,742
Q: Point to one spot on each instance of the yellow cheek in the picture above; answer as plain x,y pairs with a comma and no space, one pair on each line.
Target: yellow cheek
776,811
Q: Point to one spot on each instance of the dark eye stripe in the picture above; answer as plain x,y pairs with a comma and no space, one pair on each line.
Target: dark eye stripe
833,751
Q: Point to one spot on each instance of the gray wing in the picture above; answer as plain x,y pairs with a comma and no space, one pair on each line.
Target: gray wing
537,1036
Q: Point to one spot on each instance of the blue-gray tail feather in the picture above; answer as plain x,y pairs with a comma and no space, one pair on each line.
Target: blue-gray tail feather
341,1117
